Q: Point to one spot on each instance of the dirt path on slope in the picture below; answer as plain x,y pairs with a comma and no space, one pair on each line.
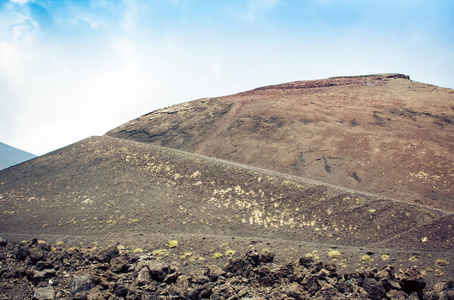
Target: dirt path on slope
229,118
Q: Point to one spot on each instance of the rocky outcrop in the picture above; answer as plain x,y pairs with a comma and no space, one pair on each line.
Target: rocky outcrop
40,271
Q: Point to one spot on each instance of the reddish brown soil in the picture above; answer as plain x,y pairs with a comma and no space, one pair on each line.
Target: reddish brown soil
382,134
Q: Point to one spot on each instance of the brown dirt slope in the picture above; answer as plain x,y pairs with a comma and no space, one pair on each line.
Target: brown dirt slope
382,134
112,190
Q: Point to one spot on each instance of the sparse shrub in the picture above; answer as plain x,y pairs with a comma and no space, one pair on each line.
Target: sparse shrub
186,254
334,253
438,272
365,257
265,250
441,262
217,255
385,256
173,243
313,255
138,250
230,252
159,252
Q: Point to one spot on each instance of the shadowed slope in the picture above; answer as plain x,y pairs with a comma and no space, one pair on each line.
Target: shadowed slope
383,134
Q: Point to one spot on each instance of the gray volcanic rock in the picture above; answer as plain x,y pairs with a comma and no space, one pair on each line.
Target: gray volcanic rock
253,279
81,283
44,293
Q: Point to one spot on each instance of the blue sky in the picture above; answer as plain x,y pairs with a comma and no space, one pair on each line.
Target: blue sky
72,69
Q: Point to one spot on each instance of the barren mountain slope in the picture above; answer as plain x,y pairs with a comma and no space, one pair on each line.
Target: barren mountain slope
108,190
383,134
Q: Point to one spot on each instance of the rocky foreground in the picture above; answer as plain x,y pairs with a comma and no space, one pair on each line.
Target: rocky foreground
37,270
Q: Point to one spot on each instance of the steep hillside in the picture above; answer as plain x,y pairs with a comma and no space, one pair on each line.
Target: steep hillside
382,134
10,156
104,190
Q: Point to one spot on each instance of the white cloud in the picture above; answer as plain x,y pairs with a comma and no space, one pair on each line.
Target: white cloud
258,6
59,87
15,23
124,46
21,2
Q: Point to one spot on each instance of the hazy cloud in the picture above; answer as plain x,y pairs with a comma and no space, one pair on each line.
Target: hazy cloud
71,69
257,6
21,1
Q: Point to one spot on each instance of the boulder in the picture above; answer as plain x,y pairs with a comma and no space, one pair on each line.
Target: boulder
121,291
389,284
39,276
235,266
143,277
267,277
213,272
158,270
41,265
200,279
410,280
182,286
375,290
44,293
443,290
306,262
107,254
36,255
413,296
385,273
443,287
331,268
81,283
252,258
296,291
267,257
22,252
328,292
396,295
119,264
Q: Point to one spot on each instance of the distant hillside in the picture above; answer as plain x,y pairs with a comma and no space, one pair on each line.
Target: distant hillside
10,156
383,134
